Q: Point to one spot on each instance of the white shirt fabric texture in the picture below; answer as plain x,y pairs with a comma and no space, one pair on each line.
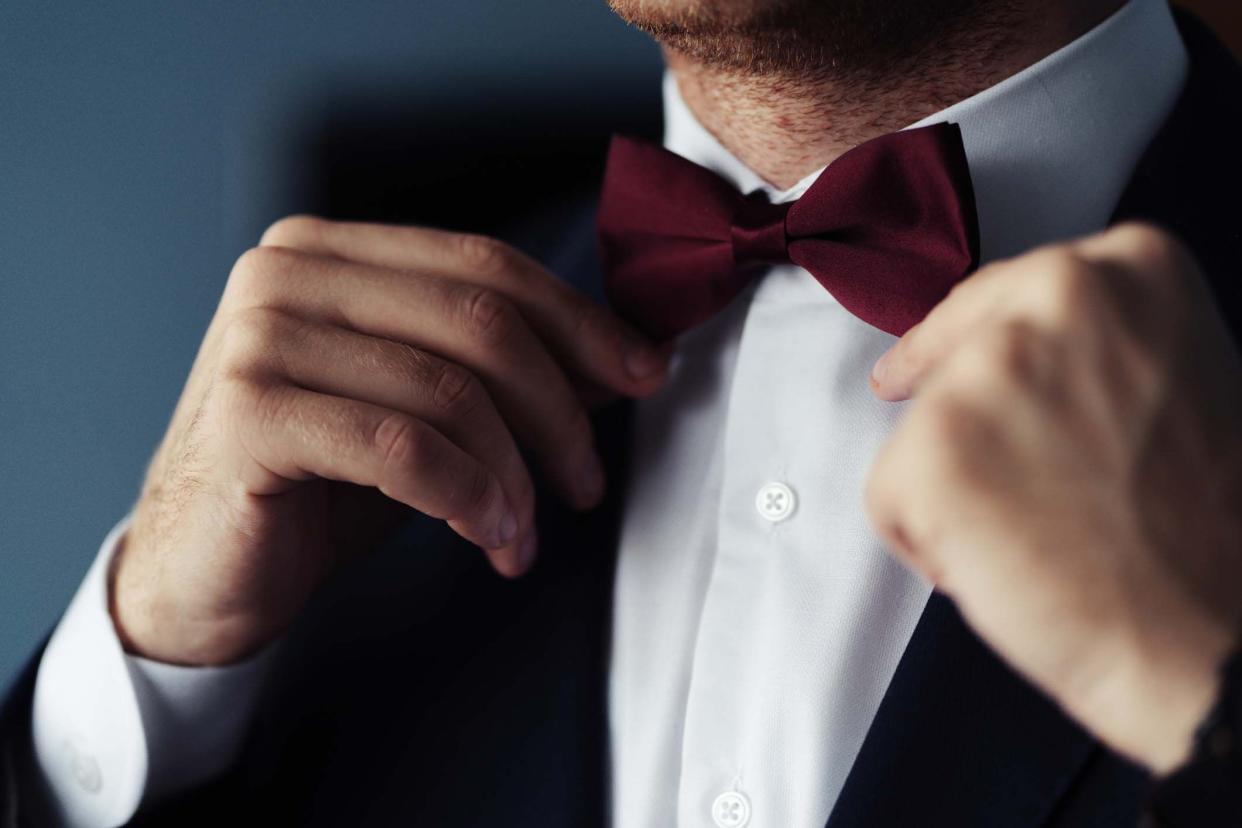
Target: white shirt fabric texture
758,619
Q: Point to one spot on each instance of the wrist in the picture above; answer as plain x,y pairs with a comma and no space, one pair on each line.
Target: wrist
1162,689
1204,789
152,626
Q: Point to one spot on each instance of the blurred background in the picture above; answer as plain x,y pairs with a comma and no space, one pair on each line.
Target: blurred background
141,151
144,146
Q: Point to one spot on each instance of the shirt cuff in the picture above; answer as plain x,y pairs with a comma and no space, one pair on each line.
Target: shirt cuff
112,730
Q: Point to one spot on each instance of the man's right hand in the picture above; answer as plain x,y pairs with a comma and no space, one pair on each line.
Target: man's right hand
352,371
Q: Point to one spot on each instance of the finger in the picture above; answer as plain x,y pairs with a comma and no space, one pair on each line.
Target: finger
295,434
898,373
399,377
889,500
1151,273
587,339
1134,243
1052,284
1045,285
915,496
932,490
470,325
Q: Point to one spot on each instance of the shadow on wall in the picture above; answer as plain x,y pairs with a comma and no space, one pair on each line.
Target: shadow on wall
478,159
479,163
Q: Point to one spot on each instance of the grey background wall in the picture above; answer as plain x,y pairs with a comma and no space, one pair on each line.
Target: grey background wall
143,146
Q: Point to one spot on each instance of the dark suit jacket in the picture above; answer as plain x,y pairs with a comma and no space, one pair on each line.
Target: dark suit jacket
421,689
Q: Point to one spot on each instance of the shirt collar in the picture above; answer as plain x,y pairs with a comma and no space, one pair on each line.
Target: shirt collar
1050,148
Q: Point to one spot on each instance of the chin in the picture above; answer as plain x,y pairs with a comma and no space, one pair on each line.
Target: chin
806,36
659,14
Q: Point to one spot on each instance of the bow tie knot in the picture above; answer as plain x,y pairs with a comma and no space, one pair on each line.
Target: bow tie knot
758,232
888,228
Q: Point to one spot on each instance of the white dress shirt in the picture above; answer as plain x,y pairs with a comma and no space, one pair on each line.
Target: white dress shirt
758,620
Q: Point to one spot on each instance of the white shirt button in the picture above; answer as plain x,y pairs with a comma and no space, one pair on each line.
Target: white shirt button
731,810
775,501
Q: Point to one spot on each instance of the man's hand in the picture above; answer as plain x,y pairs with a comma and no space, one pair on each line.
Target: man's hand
1070,473
352,371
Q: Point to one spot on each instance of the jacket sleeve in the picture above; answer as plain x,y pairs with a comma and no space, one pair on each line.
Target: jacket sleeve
98,733
23,799
1207,790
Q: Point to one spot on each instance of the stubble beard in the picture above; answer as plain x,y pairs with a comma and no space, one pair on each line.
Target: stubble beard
808,39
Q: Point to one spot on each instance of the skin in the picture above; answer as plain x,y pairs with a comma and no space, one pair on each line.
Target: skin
789,85
352,372
1068,471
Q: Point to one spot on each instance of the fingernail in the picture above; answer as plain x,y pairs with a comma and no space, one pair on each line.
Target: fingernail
590,480
507,530
642,361
526,552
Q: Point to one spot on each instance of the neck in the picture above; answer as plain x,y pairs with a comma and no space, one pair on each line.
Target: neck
785,125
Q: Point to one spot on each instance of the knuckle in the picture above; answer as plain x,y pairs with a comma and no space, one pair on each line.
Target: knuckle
251,334
589,321
239,399
489,316
292,231
268,405
400,445
256,272
1071,286
400,359
962,440
484,254
256,261
265,324
478,491
1164,278
578,427
456,390
1157,268
235,410
1013,356
1146,242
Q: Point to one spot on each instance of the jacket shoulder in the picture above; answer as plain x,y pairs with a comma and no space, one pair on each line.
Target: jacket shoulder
1190,177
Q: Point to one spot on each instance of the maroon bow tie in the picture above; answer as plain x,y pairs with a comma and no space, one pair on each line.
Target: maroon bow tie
887,228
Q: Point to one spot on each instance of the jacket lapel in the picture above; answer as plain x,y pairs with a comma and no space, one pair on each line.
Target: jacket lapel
1190,178
960,739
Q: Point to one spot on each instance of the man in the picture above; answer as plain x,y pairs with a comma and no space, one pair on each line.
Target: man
721,606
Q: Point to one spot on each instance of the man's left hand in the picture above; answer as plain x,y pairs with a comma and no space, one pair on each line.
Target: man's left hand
1069,472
